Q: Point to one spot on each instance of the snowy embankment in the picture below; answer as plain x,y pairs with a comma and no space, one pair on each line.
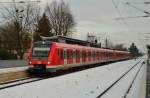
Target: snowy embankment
84,84
12,63
7,66
13,69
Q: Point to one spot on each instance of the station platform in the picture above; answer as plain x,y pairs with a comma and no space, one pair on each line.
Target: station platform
12,63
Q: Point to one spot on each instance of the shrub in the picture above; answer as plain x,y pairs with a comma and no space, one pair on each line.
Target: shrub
4,55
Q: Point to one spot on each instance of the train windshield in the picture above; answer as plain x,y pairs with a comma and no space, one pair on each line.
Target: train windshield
41,49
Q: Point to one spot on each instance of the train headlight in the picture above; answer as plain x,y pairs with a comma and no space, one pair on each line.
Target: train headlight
48,62
30,62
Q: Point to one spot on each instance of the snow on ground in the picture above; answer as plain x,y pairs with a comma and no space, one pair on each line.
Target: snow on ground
12,63
120,89
84,84
13,69
139,85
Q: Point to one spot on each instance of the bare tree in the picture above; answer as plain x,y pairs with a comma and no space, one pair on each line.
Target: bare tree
18,23
61,18
120,47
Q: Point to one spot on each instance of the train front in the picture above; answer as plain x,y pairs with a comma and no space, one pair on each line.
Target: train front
39,55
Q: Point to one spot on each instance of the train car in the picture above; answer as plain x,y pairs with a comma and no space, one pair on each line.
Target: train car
52,56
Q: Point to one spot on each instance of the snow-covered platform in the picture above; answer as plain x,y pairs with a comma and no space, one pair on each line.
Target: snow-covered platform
88,83
7,66
12,63
13,69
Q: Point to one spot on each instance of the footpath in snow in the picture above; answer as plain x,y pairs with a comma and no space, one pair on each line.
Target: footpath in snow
84,84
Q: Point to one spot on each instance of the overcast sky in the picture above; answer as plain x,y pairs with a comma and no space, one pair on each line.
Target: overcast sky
100,17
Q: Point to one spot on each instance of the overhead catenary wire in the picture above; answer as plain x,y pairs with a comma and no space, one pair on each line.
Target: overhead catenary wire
146,12
131,17
119,13
146,2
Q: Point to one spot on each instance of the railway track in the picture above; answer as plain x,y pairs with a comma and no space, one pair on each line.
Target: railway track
35,77
114,83
18,82
29,79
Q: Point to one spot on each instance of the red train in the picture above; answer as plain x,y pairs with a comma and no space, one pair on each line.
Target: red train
47,55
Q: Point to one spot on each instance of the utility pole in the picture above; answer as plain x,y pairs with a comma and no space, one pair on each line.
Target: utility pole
148,46
148,54
106,41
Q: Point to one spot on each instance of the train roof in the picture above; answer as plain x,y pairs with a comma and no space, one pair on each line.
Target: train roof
80,47
68,40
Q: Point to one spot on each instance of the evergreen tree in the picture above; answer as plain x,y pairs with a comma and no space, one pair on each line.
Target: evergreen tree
134,50
43,28
148,49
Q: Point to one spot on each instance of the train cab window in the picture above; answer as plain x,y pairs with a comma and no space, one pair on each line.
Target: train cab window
41,50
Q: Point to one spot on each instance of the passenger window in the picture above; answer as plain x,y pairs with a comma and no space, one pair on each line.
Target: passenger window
74,54
65,54
80,54
93,54
61,54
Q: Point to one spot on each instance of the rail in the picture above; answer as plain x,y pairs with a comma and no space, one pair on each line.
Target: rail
113,84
